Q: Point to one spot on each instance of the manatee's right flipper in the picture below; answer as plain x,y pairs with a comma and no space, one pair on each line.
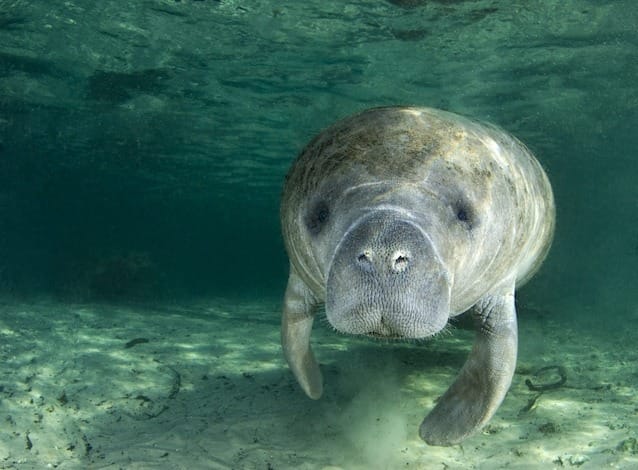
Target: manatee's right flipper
478,391
296,325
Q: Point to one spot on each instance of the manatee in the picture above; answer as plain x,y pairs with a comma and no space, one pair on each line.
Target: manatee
398,219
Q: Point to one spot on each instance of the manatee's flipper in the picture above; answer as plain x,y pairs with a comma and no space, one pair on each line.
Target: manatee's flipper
296,325
478,391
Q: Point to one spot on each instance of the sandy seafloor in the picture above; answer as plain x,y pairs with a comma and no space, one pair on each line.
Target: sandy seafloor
205,386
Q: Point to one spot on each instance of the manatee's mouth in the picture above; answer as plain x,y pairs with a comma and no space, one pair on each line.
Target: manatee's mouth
384,330
375,335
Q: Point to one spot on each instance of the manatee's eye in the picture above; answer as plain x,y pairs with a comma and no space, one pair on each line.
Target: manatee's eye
465,214
317,217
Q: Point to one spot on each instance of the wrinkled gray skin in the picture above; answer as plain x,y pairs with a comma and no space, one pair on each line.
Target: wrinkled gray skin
399,219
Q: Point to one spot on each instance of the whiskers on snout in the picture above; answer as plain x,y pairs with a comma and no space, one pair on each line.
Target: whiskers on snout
446,331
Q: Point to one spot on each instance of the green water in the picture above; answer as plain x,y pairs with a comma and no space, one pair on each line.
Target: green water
163,129
143,144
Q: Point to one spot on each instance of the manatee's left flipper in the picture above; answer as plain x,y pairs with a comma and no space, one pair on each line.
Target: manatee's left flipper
296,325
484,379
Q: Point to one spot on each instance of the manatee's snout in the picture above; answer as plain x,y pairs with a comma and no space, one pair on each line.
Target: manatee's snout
386,279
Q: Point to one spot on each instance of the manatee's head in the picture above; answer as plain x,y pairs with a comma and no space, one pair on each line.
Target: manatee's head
386,279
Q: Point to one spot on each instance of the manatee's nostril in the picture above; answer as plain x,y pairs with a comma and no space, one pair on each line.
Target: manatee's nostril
364,260
400,262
